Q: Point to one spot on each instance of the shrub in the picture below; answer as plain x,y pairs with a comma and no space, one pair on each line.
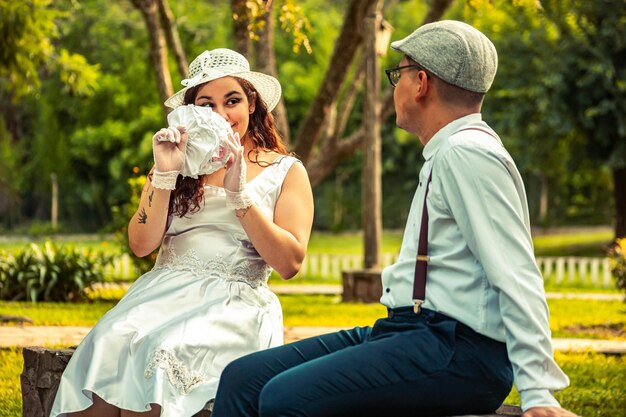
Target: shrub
618,263
50,273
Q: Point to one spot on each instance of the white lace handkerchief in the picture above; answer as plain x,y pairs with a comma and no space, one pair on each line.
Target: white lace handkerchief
206,150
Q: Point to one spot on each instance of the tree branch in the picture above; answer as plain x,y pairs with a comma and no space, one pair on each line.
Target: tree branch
241,20
158,49
332,154
346,45
436,10
172,36
266,63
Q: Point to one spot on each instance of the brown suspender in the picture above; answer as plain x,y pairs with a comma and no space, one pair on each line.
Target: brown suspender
421,260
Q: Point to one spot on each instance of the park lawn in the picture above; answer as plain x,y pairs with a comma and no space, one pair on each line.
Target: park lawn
596,384
105,245
590,243
575,318
10,390
593,243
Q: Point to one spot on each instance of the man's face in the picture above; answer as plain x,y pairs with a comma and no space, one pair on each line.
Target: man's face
403,97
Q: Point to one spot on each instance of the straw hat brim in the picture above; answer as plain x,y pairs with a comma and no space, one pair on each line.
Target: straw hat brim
267,86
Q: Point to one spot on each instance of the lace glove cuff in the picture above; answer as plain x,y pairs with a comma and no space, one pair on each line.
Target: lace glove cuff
165,180
238,199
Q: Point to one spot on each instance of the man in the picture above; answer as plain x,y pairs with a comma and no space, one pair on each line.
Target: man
469,317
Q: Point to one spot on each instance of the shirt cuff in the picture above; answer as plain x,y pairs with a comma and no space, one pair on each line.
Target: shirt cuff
537,398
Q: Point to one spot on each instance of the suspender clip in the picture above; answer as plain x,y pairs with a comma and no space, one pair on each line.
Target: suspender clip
417,306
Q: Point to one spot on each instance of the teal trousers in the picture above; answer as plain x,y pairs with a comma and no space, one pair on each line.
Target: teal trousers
405,365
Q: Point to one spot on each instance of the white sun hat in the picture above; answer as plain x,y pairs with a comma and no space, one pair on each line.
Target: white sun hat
222,62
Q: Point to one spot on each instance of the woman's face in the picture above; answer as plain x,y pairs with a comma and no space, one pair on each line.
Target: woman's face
226,97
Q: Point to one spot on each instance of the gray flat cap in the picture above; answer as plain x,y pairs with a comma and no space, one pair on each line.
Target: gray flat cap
453,51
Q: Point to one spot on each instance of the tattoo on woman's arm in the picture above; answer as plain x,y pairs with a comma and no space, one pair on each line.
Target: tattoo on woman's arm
150,198
143,216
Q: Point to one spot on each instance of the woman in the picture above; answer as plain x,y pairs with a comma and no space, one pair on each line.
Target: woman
161,350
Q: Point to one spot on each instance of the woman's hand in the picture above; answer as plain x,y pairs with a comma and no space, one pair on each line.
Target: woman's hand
168,148
235,177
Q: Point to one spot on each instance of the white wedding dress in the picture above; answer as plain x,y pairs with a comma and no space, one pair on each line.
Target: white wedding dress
205,303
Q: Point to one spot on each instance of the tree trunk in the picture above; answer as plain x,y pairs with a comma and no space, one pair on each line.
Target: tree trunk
173,39
346,45
436,11
332,150
158,49
372,190
266,63
241,20
619,189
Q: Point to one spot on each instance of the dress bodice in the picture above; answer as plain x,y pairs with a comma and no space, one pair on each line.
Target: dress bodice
212,241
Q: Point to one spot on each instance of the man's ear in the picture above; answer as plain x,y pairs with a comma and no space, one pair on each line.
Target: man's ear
421,86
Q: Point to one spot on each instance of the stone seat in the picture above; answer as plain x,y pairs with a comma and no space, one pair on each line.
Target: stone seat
42,372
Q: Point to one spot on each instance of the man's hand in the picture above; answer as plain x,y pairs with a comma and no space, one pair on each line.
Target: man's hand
548,412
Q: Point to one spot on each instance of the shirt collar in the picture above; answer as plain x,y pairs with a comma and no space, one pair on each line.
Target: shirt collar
437,140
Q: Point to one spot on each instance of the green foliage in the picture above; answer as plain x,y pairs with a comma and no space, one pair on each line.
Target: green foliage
49,273
293,20
87,102
530,105
618,263
28,30
596,388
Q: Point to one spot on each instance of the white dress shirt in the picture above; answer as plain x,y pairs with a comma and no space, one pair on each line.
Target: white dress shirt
482,270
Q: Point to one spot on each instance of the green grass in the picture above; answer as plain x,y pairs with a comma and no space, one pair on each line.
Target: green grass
589,243
10,390
596,388
596,384
57,314
573,244
94,245
568,318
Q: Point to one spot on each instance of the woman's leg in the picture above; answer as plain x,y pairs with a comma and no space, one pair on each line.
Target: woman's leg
155,412
99,408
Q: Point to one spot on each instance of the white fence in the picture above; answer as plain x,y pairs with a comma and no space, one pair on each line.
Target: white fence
564,271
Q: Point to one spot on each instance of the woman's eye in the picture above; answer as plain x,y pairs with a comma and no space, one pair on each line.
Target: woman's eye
233,101
206,104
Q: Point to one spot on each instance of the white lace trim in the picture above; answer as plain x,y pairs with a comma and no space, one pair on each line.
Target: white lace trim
165,180
253,273
238,200
177,372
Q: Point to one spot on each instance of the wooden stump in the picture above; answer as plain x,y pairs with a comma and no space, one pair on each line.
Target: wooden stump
362,285
43,368
40,378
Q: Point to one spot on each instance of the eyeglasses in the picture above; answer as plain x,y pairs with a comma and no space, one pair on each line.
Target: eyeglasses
394,73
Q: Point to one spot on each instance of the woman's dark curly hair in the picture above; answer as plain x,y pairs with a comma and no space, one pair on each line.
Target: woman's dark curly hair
187,196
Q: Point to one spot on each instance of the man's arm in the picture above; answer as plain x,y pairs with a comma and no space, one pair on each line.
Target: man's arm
483,193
